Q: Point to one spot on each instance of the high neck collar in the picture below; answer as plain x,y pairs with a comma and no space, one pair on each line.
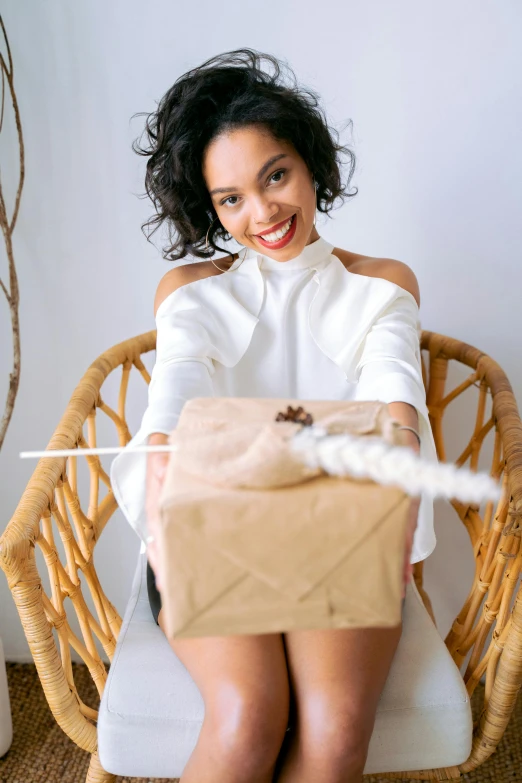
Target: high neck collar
311,256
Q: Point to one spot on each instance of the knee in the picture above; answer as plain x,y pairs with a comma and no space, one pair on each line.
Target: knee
346,751
334,738
249,729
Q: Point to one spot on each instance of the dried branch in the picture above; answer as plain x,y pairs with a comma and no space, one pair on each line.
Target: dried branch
12,294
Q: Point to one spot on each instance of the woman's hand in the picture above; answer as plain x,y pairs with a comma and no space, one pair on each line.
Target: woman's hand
156,469
413,516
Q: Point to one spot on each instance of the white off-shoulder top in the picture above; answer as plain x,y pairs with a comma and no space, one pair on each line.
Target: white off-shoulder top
306,328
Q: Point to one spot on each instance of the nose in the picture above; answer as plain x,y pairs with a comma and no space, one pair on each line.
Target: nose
264,214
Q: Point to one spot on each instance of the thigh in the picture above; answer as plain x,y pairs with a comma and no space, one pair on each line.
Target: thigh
337,677
241,677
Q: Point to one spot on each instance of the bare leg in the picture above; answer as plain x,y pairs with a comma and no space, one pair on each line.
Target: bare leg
337,677
244,684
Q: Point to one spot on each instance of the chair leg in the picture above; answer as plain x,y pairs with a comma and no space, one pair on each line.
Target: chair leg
96,773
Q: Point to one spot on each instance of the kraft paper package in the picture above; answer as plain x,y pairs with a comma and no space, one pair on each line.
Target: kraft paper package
253,541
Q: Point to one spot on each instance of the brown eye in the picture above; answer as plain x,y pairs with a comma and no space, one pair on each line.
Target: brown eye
226,199
279,171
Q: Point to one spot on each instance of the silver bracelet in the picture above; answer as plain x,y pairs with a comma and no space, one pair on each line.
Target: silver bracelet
404,427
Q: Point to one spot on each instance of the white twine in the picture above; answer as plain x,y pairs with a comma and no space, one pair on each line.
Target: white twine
361,457
341,455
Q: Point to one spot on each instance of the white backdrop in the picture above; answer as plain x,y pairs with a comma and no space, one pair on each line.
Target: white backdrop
434,91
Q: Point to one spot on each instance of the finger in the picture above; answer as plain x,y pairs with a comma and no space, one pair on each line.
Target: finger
152,553
160,468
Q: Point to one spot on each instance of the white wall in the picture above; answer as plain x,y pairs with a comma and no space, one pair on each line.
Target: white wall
434,91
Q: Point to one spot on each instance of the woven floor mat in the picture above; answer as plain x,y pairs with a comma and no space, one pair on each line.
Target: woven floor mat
42,752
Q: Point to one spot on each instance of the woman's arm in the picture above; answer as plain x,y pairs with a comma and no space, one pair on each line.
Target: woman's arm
183,369
407,415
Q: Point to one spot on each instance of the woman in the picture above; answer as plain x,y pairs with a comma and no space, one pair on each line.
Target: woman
234,152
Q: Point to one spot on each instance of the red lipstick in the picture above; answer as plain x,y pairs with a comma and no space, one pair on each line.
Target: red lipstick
280,242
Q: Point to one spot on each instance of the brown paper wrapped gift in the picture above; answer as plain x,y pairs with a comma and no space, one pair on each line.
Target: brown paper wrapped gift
253,541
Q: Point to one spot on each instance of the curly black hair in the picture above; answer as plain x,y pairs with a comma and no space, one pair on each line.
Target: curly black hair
226,92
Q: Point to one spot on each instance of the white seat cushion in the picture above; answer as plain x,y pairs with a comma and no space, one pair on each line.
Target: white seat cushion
151,711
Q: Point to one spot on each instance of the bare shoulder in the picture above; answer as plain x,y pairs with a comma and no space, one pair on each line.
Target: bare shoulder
188,273
388,268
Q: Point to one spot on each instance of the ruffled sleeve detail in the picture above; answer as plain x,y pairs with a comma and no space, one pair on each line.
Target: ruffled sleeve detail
370,327
390,370
390,360
197,325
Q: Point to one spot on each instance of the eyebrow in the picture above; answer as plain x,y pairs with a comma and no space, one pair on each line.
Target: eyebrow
262,170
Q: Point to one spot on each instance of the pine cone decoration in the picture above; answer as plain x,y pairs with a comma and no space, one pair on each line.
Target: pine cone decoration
298,415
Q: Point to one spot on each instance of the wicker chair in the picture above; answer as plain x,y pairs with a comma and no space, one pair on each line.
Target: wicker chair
492,602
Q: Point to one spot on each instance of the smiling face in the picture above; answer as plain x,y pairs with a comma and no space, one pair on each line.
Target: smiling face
257,184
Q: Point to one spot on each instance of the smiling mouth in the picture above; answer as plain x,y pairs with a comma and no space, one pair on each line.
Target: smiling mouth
285,226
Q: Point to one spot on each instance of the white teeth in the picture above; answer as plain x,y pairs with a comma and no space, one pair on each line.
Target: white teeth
276,235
